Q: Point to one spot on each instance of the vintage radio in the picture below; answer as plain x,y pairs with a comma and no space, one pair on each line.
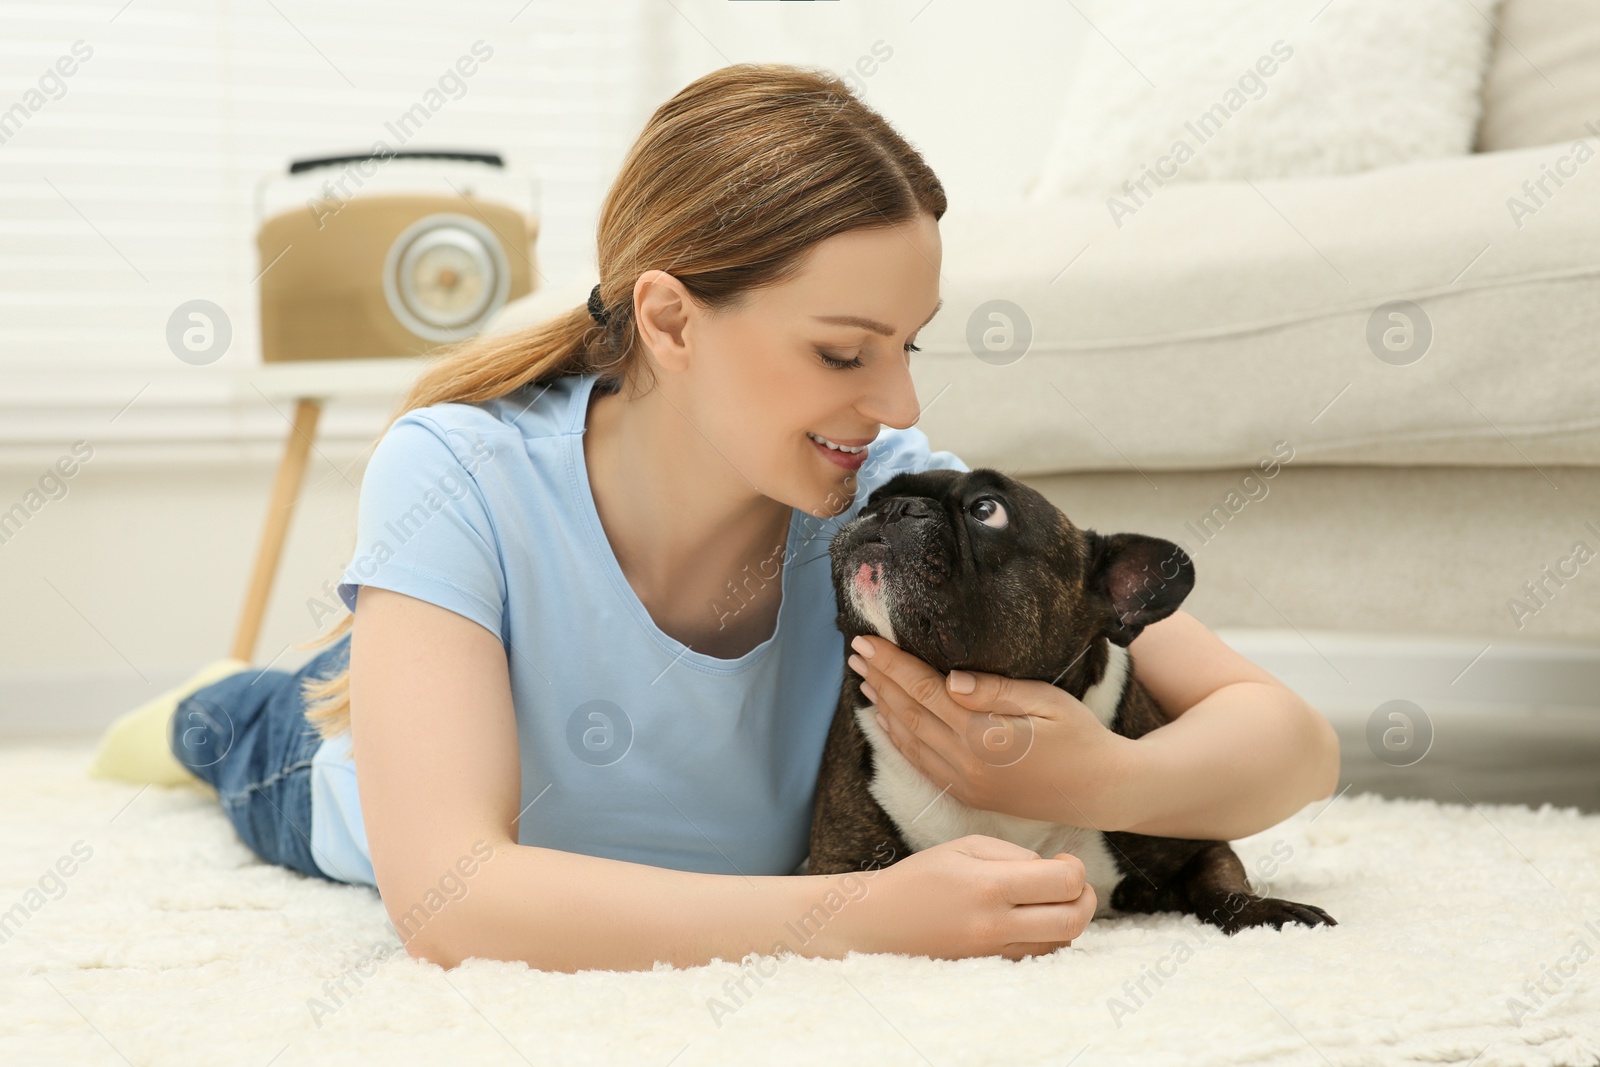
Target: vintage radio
393,254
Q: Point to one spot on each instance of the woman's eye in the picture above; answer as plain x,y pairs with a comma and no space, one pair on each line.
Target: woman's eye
843,364
990,512
839,364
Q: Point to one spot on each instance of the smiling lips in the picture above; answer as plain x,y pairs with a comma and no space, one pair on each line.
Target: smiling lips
847,446
848,456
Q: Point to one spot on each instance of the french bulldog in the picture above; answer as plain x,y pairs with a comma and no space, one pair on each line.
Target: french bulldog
978,571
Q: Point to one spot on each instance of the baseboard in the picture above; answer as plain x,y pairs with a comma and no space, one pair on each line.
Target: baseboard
62,704
1343,675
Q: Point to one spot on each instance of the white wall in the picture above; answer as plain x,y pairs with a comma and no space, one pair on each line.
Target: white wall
127,188
977,88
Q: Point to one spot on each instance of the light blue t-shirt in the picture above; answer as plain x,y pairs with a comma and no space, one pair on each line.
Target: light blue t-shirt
633,745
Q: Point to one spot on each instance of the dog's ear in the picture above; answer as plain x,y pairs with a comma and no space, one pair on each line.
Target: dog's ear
1141,579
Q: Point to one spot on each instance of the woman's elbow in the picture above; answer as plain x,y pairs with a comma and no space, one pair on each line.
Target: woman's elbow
428,951
423,935
1327,746
439,918
435,939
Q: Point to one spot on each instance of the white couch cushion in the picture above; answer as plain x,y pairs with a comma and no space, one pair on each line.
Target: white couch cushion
1543,83
1227,316
1197,89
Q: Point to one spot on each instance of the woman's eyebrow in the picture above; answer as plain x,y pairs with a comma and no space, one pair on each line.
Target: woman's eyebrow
873,324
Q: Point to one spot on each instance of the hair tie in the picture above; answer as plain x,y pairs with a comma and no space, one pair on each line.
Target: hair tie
597,309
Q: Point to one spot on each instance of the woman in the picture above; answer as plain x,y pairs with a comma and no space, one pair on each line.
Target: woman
592,660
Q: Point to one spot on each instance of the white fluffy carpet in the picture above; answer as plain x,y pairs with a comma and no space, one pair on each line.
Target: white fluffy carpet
169,943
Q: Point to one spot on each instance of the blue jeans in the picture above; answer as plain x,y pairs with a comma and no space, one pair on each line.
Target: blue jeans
247,736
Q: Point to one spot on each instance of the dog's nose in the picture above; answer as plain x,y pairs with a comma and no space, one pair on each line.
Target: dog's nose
905,507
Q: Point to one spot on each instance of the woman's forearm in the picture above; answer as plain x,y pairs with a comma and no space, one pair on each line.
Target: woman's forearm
566,911
1238,762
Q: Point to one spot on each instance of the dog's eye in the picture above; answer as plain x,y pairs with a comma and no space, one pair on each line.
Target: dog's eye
990,512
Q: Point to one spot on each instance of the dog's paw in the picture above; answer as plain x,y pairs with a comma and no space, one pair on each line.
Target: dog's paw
1268,911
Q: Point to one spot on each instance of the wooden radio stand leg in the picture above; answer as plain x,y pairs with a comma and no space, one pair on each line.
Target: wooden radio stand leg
285,493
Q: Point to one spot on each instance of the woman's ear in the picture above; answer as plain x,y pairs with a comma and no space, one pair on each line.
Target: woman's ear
1141,579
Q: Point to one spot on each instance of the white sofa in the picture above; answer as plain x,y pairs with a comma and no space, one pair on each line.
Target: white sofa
1229,316
1227,324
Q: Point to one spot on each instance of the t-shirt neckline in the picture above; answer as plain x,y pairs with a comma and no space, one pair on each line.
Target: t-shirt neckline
578,468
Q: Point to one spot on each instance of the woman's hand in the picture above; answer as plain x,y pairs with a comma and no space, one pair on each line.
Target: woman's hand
974,896
1020,747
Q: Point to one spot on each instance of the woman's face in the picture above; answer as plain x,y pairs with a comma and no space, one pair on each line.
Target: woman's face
824,353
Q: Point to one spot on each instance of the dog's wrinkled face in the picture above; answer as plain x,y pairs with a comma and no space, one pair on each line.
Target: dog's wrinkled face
974,569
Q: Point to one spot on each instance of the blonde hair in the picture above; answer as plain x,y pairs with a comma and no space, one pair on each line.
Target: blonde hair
729,185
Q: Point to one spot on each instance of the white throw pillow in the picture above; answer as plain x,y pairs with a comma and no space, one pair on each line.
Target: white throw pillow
1177,90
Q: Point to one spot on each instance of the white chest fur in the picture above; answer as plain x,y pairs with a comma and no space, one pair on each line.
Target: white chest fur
928,815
